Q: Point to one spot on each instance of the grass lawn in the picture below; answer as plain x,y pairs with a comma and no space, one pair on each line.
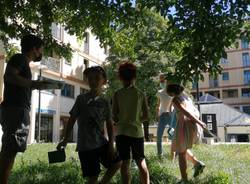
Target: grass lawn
224,164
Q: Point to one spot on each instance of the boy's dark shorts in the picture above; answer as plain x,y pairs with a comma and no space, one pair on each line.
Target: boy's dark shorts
15,123
126,144
91,160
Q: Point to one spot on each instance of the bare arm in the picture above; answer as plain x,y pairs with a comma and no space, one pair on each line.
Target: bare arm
184,110
110,132
69,127
12,76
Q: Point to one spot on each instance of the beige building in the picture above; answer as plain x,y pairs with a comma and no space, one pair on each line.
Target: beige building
232,86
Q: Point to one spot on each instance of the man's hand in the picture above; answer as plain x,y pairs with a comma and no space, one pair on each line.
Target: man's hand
61,145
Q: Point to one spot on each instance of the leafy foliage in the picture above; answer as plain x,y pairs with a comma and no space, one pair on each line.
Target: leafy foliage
143,45
205,28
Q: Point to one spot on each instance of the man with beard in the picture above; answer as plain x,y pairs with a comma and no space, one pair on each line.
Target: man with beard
15,119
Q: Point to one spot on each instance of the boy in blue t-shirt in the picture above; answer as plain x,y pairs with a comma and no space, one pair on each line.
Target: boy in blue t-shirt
91,111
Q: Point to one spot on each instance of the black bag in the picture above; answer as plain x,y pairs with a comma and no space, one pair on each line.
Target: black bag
56,156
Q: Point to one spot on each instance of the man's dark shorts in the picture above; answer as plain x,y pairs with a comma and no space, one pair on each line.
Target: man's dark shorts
91,160
15,125
126,144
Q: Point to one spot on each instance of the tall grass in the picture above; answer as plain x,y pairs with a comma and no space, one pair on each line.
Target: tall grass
225,164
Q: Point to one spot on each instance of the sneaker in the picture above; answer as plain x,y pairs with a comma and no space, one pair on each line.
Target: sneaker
198,169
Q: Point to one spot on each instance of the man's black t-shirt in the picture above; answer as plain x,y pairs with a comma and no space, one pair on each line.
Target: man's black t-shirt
15,95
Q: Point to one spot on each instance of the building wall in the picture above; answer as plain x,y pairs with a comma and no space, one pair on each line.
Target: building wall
235,68
221,133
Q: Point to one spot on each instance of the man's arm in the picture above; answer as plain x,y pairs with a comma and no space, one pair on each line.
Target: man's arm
12,76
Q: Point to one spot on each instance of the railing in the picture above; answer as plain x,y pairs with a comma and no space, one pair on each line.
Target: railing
51,63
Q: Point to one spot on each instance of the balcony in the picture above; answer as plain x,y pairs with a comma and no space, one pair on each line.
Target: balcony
51,63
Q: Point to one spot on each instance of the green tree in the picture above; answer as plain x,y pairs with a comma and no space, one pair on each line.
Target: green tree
143,45
205,28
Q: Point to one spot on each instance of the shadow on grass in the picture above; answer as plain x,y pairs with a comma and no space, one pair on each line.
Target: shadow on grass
42,173
70,173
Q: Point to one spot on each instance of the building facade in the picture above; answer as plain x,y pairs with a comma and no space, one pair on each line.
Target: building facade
56,104
232,86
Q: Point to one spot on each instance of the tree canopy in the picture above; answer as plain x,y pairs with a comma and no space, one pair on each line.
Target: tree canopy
143,45
204,28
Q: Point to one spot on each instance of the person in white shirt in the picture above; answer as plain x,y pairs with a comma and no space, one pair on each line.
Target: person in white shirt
163,112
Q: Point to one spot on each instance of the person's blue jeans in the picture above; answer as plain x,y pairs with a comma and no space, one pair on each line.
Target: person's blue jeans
164,119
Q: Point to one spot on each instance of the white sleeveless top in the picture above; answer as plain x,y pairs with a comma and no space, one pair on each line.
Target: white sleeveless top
165,101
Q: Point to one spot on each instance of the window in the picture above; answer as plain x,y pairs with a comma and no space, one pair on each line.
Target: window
244,43
246,109
210,126
68,91
247,77
46,128
237,107
67,62
245,92
86,43
213,82
233,138
194,85
225,76
214,93
57,31
245,59
231,93
224,61
209,118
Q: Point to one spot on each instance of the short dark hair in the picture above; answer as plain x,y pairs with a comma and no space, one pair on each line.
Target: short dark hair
30,41
97,69
127,71
175,89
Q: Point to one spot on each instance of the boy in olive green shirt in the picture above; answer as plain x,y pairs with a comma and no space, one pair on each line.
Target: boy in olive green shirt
130,109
